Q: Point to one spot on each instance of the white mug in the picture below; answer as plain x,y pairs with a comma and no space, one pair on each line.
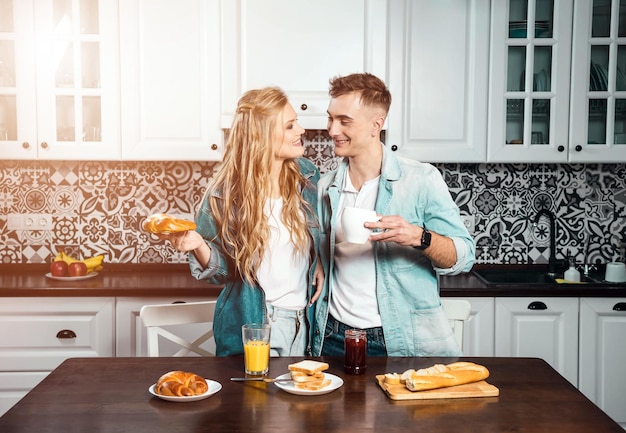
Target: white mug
615,272
352,221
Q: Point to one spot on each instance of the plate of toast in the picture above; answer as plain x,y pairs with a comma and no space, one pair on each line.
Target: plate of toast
308,377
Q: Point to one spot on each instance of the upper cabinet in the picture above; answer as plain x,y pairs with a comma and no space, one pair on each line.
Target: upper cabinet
558,81
530,81
299,46
598,113
59,86
170,79
438,76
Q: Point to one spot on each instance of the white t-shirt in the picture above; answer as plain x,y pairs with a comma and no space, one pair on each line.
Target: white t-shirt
282,274
353,300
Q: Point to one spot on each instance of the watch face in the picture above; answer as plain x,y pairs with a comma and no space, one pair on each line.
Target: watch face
426,239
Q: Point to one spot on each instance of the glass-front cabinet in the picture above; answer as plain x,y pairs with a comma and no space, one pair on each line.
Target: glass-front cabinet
598,113
530,81
59,85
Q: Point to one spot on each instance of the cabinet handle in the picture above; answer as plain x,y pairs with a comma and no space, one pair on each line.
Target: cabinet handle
620,306
394,147
560,148
537,305
44,145
303,107
66,333
25,145
578,148
179,302
213,146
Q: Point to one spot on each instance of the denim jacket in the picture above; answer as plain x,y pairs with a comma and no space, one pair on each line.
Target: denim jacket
240,302
413,320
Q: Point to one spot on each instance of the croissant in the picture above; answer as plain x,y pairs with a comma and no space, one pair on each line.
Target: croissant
162,223
181,384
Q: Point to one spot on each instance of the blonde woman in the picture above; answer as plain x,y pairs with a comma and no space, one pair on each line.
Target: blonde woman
257,231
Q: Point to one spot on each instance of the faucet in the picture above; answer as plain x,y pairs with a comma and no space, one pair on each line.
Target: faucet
552,259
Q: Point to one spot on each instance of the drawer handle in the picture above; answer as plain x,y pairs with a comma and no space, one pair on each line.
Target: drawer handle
66,333
304,107
179,302
620,306
537,305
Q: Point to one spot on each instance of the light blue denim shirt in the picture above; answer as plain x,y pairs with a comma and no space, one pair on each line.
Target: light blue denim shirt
413,320
240,302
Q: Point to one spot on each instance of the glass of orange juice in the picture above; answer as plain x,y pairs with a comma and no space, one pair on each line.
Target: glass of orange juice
256,348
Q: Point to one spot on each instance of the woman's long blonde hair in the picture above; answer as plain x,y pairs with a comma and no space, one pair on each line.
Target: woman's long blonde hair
244,183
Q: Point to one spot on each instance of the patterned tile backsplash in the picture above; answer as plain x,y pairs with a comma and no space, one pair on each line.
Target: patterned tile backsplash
98,207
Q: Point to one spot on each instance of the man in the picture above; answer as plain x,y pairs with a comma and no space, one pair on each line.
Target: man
387,286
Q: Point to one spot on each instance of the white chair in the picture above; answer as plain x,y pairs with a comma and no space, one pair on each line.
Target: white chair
457,311
154,317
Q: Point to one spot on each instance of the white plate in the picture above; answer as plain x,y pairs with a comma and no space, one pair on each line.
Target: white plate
214,387
83,277
335,382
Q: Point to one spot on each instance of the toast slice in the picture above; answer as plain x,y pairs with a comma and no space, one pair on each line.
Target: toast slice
308,366
300,377
313,386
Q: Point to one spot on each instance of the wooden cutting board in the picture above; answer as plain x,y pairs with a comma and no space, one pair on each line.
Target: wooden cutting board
475,389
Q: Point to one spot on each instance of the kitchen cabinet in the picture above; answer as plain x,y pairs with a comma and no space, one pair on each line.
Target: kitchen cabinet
37,334
530,81
558,89
299,46
59,80
439,79
131,339
603,354
545,328
170,80
478,330
598,108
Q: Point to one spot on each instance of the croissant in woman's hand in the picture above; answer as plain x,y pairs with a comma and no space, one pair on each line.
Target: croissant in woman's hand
162,223
181,384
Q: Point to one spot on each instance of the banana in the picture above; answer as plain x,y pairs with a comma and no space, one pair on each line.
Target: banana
93,263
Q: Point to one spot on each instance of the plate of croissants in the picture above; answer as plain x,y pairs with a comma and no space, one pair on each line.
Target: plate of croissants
183,386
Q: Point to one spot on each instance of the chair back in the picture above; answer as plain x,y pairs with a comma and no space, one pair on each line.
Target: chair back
155,317
457,311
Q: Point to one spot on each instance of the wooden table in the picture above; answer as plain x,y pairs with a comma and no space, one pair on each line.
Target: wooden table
111,395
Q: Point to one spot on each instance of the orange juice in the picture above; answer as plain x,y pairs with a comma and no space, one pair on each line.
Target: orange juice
257,356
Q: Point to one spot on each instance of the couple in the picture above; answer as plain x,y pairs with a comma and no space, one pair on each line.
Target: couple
269,229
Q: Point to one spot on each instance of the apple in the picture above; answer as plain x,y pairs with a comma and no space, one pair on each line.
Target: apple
59,269
77,269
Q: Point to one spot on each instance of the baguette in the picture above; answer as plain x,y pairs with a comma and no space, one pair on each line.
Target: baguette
441,376
308,366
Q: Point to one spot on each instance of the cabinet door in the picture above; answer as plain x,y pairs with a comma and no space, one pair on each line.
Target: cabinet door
298,46
529,81
59,86
603,354
16,384
438,52
170,79
131,333
478,331
545,328
598,109
37,334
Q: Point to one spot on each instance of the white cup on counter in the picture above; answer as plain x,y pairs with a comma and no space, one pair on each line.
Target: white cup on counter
615,272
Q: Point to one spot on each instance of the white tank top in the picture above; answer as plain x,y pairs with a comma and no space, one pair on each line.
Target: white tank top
283,273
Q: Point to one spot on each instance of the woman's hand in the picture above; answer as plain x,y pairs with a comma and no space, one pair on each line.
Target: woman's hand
184,241
318,281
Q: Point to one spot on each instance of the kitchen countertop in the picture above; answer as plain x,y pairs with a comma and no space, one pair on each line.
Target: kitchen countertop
175,280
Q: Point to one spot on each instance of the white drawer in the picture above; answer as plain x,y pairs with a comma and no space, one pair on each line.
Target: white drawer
40,333
15,385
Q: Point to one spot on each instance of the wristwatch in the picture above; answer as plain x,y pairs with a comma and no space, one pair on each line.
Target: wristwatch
425,242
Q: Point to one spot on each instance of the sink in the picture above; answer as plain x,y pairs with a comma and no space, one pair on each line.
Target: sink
525,276
514,276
